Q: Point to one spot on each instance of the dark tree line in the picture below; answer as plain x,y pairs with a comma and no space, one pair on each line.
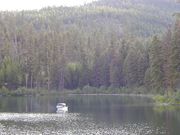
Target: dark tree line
53,50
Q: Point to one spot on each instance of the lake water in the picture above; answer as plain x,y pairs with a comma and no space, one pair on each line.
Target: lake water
87,115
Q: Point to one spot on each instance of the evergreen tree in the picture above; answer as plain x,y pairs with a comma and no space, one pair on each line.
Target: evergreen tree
131,68
176,53
10,74
166,53
156,64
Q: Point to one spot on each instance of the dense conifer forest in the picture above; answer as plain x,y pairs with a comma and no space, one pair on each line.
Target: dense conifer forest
107,43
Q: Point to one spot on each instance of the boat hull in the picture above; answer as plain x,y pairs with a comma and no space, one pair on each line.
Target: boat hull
59,109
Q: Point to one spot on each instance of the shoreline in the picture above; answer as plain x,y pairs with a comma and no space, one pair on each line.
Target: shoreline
123,94
160,100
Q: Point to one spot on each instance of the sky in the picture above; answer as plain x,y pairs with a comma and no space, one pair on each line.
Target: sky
38,4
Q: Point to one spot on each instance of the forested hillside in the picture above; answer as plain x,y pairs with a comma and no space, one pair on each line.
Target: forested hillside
105,43
141,17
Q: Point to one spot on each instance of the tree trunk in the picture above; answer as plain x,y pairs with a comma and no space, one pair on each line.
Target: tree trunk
48,81
26,77
31,81
61,81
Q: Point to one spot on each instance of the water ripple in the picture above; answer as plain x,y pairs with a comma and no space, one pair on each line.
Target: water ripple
67,124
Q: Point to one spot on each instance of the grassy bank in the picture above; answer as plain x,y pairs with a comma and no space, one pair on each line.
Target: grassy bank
159,99
110,90
173,99
85,90
31,92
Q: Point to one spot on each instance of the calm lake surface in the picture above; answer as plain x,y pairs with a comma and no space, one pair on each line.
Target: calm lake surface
88,115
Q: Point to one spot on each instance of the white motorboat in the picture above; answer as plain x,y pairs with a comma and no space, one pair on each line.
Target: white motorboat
62,107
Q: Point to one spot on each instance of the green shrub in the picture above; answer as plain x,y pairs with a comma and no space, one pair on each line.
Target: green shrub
4,91
176,97
89,89
173,99
160,99
78,91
